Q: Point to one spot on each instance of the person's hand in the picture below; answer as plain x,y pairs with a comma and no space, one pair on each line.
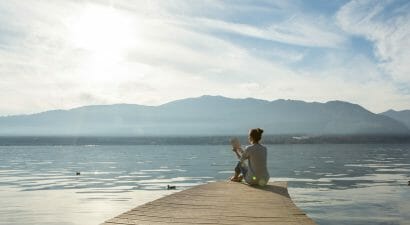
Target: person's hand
239,150
235,143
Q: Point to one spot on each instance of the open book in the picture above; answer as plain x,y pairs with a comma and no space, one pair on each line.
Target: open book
236,147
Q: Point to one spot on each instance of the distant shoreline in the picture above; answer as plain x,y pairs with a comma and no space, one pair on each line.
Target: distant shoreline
198,140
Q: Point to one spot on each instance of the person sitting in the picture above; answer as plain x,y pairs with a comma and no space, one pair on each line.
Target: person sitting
256,155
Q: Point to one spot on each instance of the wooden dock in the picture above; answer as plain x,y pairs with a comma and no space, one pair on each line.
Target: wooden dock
219,203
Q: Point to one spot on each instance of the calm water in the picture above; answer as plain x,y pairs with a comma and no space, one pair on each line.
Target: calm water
334,184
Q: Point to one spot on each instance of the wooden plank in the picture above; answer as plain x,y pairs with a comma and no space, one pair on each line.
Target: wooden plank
219,203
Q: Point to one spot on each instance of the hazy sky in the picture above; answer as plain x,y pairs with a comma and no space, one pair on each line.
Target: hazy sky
63,54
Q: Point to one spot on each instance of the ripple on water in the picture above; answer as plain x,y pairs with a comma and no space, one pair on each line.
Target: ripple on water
348,180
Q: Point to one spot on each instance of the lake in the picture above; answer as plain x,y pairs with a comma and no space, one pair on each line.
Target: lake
333,183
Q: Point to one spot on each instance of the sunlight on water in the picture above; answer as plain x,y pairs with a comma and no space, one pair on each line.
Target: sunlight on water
334,184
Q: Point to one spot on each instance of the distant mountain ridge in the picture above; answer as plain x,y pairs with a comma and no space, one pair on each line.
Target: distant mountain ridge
401,116
206,115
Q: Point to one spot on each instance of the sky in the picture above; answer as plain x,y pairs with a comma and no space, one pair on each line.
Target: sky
65,54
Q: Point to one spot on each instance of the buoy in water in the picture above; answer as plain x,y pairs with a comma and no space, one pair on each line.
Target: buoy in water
171,187
78,173
408,183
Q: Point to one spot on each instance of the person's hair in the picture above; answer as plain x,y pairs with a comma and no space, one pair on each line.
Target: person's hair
256,134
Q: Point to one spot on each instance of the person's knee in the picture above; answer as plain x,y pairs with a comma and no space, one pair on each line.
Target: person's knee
237,169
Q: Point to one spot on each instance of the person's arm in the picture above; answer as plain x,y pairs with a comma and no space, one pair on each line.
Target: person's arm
238,152
245,155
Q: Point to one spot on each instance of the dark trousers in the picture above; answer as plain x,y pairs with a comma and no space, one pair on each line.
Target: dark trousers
240,169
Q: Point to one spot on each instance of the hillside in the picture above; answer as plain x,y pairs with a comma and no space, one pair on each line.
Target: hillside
206,115
401,116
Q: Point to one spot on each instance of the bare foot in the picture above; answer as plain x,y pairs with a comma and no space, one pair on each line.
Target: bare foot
235,179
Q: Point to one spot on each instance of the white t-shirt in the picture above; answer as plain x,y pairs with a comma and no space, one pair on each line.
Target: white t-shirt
256,155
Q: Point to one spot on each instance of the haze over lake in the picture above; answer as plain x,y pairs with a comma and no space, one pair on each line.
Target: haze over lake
210,116
336,157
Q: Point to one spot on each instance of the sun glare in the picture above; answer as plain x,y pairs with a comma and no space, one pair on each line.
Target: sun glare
106,34
102,29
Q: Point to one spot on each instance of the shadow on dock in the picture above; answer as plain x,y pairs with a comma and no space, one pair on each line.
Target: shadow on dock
280,189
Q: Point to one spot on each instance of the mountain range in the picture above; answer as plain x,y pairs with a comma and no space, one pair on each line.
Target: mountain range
210,115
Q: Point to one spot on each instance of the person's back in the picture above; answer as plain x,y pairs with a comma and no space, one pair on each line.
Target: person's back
257,169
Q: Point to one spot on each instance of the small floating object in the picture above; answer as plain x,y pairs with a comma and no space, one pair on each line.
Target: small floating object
408,183
171,187
78,173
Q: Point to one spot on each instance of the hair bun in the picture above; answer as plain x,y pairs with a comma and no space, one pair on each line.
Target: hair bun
255,134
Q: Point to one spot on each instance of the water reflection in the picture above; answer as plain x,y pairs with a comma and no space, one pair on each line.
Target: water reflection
335,184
